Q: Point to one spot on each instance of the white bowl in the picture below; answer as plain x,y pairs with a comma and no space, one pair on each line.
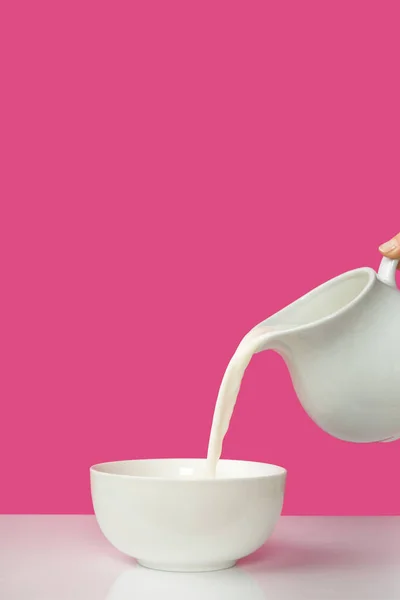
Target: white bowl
168,515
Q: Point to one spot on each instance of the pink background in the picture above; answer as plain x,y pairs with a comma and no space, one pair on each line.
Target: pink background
173,173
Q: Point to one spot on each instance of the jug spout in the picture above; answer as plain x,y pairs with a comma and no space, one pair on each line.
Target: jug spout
272,337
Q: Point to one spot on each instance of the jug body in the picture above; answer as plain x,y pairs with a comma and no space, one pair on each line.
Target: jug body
342,353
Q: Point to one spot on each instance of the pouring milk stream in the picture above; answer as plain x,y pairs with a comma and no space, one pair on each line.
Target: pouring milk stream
340,343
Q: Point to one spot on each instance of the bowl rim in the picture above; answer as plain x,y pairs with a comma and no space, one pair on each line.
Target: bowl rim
280,471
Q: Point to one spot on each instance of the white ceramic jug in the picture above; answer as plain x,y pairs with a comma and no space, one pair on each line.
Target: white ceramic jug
341,343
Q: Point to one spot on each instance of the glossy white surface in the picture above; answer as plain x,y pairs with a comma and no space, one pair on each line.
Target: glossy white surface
307,558
341,350
168,515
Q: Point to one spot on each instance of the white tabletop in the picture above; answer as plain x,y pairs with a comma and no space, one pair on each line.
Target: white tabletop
67,558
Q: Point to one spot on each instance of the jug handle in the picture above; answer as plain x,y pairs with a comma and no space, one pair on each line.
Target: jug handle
387,274
387,271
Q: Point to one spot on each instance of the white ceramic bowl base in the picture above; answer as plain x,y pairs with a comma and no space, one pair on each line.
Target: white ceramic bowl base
169,516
